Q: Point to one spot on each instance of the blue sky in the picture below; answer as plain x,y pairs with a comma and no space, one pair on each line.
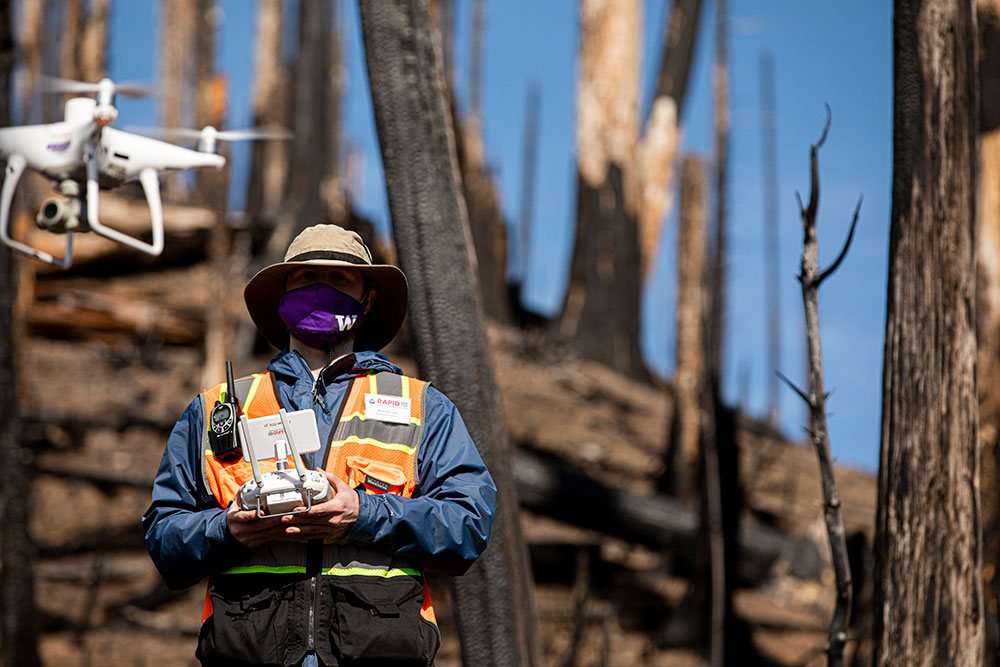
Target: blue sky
824,53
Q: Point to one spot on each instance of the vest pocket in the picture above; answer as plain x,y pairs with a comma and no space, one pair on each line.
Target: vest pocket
379,623
374,477
252,621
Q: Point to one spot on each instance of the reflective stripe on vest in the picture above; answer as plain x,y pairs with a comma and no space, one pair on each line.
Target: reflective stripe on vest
371,455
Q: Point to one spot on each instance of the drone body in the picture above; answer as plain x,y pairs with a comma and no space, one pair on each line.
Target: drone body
82,155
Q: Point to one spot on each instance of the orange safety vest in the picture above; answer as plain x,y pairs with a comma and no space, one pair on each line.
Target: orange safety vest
372,455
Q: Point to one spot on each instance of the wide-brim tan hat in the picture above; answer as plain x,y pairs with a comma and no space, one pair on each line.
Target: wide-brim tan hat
333,246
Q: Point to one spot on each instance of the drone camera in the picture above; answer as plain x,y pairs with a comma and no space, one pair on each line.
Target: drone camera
58,216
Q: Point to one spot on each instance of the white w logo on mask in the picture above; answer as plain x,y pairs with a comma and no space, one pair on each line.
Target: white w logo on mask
345,322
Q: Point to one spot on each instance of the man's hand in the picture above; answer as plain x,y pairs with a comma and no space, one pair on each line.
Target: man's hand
251,531
330,520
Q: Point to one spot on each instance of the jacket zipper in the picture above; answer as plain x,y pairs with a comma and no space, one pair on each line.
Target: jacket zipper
311,644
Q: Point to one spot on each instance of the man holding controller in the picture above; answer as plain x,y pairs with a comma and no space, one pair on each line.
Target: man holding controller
339,583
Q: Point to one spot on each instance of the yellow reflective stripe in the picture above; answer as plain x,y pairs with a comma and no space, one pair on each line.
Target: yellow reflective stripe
266,569
361,416
406,386
371,572
332,571
375,443
372,385
253,390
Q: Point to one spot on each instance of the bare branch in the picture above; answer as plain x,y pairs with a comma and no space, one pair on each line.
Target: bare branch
794,388
810,280
810,212
826,128
843,253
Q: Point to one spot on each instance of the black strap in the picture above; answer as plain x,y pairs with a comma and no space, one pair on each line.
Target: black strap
328,254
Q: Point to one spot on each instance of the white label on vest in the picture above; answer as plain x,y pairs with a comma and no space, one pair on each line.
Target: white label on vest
387,408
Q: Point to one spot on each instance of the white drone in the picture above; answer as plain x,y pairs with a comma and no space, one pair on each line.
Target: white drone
82,154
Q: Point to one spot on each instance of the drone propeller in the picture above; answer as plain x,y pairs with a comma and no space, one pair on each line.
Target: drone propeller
106,86
208,135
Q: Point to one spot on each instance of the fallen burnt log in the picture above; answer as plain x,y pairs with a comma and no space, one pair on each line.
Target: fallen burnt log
90,314
548,486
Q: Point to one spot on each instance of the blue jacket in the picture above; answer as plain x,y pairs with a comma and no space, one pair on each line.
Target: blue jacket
444,527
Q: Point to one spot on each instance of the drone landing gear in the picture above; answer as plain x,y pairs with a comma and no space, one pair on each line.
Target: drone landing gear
15,167
77,213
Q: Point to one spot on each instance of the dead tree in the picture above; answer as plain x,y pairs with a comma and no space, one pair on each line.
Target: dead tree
303,203
928,581
31,51
94,42
811,278
486,220
772,239
717,280
70,40
988,305
689,377
494,601
18,615
519,274
269,159
620,179
177,63
663,132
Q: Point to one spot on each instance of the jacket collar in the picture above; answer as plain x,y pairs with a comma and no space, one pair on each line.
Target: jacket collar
291,364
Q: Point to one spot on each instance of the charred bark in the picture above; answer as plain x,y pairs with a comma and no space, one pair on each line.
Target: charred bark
178,30
772,240
988,307
494,600
716,327
600,314
928,583
303,203
658,150
522,243
94,43
681,466
268,159
18,613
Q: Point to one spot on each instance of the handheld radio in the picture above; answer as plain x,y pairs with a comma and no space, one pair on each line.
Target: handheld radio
222,422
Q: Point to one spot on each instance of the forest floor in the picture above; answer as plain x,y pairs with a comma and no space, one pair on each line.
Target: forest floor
99,401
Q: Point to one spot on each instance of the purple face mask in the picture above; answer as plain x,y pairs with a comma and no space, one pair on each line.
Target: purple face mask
318,314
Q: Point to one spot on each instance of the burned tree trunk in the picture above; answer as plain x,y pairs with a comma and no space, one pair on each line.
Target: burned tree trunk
689,376
269,159
71,39
303,203
772,240
486,222
18,615
212,190
522,242
94,43
717,281
494,600
624,181
600,316
988,306
928,583
31,52
658,151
